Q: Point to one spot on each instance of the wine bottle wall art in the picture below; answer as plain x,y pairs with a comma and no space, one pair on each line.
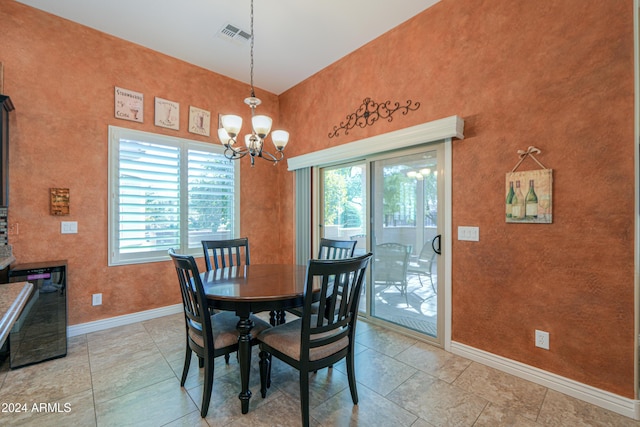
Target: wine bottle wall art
528,196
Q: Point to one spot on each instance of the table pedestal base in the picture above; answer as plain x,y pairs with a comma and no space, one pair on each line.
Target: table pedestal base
244,359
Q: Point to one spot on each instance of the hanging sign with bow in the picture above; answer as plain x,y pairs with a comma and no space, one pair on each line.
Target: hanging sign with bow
528,193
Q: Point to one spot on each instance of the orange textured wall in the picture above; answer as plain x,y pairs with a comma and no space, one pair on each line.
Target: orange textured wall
61,78
559,76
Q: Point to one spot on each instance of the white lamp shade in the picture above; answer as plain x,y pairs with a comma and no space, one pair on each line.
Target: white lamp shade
261,125
280,139
224,137
231,124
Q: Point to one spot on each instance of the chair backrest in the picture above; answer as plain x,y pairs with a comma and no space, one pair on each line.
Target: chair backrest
336,249
340,282
392,260
427,255
225,253
197,316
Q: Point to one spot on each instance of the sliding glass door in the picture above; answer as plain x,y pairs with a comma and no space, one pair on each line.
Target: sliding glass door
406,239
389,204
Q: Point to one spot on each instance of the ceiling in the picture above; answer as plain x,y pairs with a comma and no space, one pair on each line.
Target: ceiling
294,39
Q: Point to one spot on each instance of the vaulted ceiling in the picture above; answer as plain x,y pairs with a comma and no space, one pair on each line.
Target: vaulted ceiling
294,39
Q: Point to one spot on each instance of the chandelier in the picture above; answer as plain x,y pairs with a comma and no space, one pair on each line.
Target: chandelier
260,128
420,174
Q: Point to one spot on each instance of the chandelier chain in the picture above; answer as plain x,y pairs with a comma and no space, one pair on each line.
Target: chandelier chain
260,128
252,38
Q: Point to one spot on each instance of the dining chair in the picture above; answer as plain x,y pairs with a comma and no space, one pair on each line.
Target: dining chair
336,249
225,253
390,266
208,335
313,342
330,249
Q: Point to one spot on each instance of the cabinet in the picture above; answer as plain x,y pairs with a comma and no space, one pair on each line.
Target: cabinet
40,333
6,106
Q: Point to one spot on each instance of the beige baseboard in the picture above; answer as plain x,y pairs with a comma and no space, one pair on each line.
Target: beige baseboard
112,322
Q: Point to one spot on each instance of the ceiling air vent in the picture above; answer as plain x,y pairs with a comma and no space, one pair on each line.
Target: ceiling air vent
235,34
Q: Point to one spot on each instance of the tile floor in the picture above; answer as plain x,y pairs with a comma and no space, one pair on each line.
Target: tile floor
130,376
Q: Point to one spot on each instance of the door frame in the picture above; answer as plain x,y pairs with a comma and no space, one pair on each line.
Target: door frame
443,338
444,130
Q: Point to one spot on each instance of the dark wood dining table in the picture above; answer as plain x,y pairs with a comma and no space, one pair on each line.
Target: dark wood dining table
254,288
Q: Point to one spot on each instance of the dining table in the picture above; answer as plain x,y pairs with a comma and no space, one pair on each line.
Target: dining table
249,289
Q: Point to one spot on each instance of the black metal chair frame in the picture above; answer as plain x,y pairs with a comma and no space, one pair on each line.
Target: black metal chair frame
342,278
225,253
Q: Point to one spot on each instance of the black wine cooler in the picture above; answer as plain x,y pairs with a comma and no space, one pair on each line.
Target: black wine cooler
40,333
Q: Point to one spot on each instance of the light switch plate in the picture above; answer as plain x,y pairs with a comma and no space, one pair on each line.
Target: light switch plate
69,227
469,233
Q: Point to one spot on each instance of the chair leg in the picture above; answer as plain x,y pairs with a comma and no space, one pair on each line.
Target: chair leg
269,372
187,363
208,386
265,370
351,375
226,358
200,362
304,397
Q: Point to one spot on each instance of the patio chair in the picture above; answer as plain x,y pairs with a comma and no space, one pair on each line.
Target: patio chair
423,265
390,266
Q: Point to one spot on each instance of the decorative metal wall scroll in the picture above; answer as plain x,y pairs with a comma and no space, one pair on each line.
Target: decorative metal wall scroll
370,112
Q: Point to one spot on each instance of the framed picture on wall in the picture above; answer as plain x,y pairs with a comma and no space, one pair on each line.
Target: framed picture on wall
199,121
129,105
529,196
167,114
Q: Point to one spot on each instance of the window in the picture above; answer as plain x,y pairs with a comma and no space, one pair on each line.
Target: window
167,192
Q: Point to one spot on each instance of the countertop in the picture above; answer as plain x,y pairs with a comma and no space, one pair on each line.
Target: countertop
13,297
6,261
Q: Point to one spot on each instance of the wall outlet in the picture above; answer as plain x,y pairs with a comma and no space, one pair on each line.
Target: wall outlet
542,339
96,299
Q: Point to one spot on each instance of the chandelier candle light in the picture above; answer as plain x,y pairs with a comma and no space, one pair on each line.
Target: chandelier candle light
261,126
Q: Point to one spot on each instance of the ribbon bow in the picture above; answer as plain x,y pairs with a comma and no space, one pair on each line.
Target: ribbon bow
530,152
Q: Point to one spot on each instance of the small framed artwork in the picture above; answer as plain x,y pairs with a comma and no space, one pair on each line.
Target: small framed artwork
129,105
199,121
59,201
529,196
167,114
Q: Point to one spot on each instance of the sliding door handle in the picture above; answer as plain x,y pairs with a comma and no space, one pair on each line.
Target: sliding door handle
436,247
